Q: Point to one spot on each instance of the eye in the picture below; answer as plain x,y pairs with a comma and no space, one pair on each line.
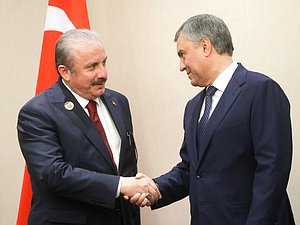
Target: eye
92,67
181,54
104,63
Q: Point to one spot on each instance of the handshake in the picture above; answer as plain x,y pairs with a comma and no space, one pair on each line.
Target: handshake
140,190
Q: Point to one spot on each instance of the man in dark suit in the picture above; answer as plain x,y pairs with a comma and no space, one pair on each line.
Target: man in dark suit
77,140
237,148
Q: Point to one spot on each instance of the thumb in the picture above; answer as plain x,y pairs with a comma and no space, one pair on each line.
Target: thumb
139,175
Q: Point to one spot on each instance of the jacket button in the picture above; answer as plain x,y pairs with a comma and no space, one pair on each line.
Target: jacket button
97,203
198,176
118,210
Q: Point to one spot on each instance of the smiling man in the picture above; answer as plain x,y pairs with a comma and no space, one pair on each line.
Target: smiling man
237,149
77,140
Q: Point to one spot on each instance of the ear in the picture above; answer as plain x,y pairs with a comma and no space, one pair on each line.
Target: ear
64,72
206,46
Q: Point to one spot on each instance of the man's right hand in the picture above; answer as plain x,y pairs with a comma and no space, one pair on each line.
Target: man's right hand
141,190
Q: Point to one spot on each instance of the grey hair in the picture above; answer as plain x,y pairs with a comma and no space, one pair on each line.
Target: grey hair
65,45
207,26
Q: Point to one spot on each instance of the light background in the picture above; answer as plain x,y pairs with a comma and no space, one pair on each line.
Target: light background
143,64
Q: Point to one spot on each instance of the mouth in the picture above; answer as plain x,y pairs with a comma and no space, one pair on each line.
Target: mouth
188,72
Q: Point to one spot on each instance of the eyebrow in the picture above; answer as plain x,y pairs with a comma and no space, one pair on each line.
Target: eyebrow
95,63
90,64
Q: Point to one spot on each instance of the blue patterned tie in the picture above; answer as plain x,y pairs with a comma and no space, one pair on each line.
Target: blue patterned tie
210,91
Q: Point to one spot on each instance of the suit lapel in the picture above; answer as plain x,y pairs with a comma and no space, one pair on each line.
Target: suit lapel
193,129
113,106
229,96
78,116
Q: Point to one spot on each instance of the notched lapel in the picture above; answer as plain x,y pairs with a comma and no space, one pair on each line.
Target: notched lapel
191,135
228,98
79,117
113,107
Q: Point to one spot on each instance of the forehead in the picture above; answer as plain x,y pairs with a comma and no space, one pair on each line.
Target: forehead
88,50
183,44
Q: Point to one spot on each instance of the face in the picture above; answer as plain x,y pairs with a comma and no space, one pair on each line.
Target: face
89,73
194,60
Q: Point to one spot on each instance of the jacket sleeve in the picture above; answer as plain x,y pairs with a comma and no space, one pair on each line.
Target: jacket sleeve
272,144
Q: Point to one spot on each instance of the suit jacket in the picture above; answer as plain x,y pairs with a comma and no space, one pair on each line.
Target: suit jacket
239,174
72,174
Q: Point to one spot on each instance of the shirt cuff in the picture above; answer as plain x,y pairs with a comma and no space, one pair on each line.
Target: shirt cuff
119,187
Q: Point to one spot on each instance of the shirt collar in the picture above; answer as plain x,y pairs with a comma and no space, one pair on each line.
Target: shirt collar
223,79
82,101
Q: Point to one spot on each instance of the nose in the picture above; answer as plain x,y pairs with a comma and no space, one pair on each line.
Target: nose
101,71
182,66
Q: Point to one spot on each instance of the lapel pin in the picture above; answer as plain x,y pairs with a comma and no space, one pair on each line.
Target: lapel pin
69,105
114,103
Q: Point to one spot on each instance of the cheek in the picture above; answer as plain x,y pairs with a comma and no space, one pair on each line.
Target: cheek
191,60
84,84
192,64
86,80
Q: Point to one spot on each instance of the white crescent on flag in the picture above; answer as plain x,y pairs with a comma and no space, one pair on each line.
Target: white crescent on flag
57,20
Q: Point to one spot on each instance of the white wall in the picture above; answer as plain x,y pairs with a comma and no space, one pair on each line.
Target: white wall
21,25
143,64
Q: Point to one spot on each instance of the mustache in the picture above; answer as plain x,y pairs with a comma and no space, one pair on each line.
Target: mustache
99,81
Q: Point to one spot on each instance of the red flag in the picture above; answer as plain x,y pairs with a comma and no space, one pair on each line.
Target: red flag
62,15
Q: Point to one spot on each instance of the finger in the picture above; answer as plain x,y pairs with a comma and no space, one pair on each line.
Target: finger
160,196
141,199
135,198
152,195
149,203
150,198
156,188
125,197
155,193
153,185
146,202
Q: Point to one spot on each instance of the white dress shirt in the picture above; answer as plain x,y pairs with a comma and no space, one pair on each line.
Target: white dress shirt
220,83
108,124
112,134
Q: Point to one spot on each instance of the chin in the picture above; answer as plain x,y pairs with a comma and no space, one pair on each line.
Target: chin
194,84
98,93
101,92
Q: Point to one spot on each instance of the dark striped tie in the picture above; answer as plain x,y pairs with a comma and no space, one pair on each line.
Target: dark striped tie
210,91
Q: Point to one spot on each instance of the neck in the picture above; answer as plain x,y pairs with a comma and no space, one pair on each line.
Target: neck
219,64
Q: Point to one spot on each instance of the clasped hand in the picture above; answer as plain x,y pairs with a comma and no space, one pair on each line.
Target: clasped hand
140,190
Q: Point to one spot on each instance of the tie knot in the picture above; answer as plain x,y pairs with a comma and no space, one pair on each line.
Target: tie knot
91,106
210,91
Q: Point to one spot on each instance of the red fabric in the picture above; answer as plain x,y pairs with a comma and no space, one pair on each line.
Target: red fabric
76,11
92,108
